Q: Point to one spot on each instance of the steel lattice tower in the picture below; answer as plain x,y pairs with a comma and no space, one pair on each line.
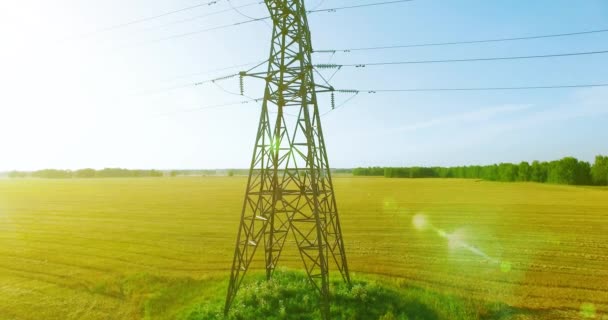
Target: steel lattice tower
290,189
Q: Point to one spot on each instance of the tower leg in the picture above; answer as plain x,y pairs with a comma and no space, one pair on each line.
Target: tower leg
256,212
328,204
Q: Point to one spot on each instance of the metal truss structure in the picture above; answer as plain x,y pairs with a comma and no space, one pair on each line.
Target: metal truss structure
290,190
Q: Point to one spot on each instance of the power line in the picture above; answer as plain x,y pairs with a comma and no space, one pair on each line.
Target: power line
371,64
225,26
346,50
244,15
356,92
319,4
342,104
233,8
218,69
212,80
251,20
125,24
234,93
209,107
372,91
358,6
209,14
188,85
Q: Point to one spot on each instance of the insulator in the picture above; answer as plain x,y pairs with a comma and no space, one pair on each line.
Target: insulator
333,101
327,66
242,85
348,91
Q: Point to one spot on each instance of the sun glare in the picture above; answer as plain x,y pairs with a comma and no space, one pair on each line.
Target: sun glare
420,222
455,240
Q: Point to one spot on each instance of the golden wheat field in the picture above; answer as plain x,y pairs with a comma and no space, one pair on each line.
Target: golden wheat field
66,244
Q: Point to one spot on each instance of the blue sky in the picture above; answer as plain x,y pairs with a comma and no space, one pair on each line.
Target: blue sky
98,100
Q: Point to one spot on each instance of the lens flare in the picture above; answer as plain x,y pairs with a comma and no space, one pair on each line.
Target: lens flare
419,221
457,240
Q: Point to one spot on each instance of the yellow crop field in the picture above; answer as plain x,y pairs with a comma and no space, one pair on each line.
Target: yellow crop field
118,248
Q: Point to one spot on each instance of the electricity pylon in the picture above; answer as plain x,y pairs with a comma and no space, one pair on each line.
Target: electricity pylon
290,190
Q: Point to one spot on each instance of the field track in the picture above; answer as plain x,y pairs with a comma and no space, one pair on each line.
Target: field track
64,244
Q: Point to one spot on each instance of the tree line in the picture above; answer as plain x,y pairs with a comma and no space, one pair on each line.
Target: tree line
568,170
86,173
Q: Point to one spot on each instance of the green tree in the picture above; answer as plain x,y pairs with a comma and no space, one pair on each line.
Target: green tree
569,171
599,171
538,172
371,171
443,172
490,172
473,172
507,172
85,173
388,316
458,172
17,174
397,172
52,174
583,173
523,171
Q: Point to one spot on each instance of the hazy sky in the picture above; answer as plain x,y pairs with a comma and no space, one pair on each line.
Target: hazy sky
72,96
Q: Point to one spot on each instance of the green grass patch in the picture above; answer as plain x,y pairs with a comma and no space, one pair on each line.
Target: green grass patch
289,295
